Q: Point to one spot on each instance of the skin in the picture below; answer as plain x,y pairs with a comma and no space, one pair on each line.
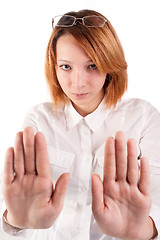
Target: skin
121,202
31,200
78,76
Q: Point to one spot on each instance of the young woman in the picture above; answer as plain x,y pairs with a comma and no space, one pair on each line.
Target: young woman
71,173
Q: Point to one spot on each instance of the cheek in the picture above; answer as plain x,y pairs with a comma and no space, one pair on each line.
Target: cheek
63,85
61,79
99,83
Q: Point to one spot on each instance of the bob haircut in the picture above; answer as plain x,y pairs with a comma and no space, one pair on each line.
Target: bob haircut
103,47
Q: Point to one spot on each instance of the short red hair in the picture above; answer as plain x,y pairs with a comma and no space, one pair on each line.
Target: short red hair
103,47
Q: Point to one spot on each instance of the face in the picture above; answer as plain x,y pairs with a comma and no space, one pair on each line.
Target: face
78,76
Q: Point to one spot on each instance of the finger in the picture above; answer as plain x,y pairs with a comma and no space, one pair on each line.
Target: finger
121,156
19,155
60,190
97,194
144,182
8,166
42,161
29,149
109,160
132,174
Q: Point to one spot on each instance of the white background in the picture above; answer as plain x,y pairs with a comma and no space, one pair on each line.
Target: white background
25,28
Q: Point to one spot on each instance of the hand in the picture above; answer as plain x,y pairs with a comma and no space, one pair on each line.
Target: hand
121,203
28,189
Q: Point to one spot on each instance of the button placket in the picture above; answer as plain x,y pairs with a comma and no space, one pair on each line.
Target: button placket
86,160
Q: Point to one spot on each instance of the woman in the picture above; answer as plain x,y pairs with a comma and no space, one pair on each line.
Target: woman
69,175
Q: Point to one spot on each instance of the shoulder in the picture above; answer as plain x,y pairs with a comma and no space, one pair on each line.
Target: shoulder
44,112
135,108
135,104
43,115
45,108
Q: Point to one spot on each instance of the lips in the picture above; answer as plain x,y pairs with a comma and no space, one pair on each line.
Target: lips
80,95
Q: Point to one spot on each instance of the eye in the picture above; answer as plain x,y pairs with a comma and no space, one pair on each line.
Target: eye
92,66
65,67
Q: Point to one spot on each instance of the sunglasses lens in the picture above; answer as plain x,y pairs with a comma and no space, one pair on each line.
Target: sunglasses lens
64,20
94,21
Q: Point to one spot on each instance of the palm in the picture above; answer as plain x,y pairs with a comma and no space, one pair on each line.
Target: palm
125,208
33,195
121,204
29,195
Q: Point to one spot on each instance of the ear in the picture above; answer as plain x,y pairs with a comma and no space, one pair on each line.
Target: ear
107,81
108,77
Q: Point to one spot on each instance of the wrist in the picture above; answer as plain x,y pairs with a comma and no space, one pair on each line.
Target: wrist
148,231
7,220
152,227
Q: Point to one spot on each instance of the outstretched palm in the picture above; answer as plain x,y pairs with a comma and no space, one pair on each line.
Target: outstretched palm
121,203
28,188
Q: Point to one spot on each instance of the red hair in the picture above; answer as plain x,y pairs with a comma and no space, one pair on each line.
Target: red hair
103,47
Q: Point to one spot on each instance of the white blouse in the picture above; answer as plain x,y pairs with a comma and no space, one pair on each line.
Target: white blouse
76,145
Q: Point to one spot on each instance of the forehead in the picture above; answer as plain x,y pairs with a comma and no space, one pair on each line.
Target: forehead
68,48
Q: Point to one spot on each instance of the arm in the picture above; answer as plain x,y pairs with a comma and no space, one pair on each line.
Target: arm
28,190
121,203
150,146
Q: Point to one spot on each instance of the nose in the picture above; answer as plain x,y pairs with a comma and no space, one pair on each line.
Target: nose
78,79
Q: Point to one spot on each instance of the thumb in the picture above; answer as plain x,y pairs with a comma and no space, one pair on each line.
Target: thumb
59,192
97,194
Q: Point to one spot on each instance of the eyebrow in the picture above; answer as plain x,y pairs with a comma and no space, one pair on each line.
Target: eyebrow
68,61
62,60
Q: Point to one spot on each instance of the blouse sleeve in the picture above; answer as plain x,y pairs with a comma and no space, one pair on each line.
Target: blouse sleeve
31,119
150,148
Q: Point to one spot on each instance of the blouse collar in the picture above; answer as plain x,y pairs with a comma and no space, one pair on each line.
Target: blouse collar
93,120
